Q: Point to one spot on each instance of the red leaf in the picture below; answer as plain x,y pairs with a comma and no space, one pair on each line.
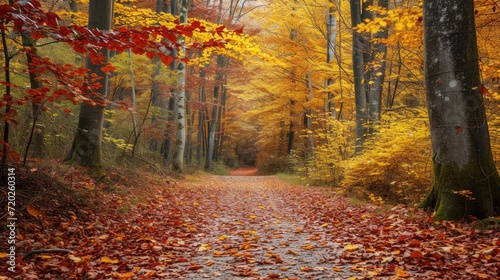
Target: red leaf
459,129
483,90
166,59
108,68
416,255
150,54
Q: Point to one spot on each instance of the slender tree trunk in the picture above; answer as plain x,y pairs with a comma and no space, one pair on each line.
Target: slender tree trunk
358,46
379,57
221,62
87,144
38,135
180,144
291,130
466,181
331,29
6,67
201,119
309,115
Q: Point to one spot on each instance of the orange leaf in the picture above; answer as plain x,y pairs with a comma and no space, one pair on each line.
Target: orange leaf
33,211
402,273
195,267
273,276
108,260
306,268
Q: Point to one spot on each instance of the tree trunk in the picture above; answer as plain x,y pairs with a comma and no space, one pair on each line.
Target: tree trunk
465,179
379,56
180,143
38,129
309,115
358,46
201,119
87,145
331,32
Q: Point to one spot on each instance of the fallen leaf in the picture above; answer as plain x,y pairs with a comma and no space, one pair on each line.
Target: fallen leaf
204,247
273,276
33,211
222,237
351,247
402,273
416,255
108,260
3,255
338,269
306,268
75,259
195,267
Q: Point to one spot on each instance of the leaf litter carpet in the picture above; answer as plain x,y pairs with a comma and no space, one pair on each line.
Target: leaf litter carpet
255,227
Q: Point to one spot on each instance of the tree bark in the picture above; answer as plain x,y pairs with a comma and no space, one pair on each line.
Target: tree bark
180,143
331,35
379,56
87,145
466,181
358,47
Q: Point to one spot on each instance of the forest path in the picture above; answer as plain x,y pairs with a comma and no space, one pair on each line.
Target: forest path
252,227
261,228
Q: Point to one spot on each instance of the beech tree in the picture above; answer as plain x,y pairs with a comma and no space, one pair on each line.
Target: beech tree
466,181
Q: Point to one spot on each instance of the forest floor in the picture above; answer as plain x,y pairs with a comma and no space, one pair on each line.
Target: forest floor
232,227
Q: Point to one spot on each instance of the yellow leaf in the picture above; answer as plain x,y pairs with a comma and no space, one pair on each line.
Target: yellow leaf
324,225
222,237
33,211
252,232
75,259
306,269
108,260
351,247
402,273
307,247
104,237
252,216
204,247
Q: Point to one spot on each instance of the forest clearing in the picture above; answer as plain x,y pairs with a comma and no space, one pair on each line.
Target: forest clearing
260,139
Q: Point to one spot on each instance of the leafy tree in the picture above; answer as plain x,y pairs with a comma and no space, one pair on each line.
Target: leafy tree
466,181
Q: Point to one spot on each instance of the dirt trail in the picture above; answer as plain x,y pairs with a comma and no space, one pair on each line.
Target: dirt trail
259,231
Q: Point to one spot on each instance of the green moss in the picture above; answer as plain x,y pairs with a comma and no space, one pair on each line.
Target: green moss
445,199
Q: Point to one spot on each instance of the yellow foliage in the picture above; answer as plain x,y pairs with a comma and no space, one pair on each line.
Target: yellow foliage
396,161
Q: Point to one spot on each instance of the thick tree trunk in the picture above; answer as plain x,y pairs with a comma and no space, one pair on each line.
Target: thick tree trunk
87,144
465,179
